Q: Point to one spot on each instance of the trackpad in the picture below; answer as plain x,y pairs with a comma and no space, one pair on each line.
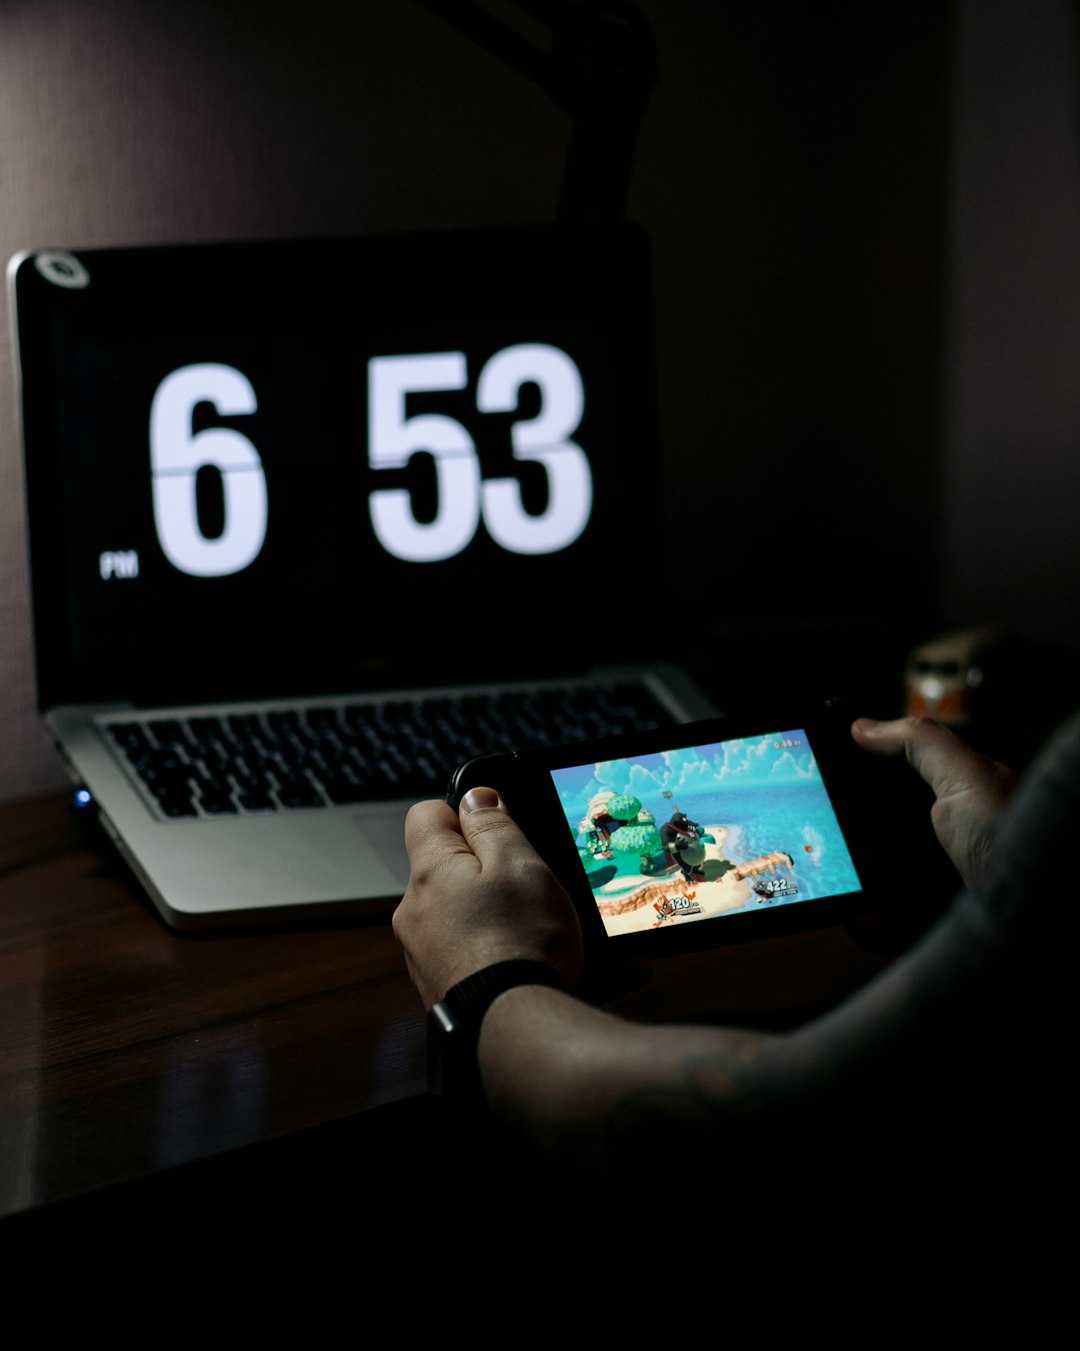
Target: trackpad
385,832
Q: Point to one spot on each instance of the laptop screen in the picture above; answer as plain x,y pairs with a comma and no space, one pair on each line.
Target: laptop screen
307,466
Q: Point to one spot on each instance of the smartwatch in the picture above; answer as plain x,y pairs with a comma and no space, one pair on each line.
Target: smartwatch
454,1024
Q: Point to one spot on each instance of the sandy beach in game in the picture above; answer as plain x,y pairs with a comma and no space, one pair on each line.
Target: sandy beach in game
628,902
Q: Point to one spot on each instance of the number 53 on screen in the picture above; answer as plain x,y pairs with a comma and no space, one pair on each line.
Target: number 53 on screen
464,498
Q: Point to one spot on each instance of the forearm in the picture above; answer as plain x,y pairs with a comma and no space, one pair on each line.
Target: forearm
588,1087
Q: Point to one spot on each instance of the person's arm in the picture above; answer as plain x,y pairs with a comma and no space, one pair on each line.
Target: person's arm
591,1087
570,1076
585,1084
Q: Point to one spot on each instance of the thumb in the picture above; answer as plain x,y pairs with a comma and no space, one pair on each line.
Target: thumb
969,788
486,823
942,759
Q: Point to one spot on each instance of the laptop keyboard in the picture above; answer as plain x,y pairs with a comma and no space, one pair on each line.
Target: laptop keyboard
271,760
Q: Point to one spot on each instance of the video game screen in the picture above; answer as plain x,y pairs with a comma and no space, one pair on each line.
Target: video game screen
701,832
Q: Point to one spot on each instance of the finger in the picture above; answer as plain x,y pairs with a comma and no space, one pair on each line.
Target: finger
487,825
946,762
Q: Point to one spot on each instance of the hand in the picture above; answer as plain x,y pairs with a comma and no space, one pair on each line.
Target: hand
970,788
478,893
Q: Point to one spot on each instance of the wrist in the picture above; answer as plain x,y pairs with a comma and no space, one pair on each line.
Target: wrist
466,962
454,1022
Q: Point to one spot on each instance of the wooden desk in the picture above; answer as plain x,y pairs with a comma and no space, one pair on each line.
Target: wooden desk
127,1051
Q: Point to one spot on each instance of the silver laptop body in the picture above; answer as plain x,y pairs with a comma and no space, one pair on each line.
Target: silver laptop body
296,499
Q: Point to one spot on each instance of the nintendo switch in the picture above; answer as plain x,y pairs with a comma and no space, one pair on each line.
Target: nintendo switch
695,836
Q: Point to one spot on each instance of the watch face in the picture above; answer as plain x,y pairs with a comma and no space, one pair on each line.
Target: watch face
452,1069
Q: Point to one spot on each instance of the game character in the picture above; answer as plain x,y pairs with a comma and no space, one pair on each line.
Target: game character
679,839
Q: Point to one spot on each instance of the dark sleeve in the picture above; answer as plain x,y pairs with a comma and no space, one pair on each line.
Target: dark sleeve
958,1051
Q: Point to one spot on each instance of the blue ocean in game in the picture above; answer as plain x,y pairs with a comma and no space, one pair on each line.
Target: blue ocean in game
797,819
766,790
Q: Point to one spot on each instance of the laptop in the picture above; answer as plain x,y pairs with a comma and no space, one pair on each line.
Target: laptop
310,521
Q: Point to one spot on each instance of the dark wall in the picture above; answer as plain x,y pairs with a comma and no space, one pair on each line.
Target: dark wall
1012,472
791,170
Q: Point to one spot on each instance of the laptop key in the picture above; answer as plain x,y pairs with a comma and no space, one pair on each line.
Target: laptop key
177,806
292,759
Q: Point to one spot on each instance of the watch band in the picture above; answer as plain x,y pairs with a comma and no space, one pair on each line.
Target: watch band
454,1022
